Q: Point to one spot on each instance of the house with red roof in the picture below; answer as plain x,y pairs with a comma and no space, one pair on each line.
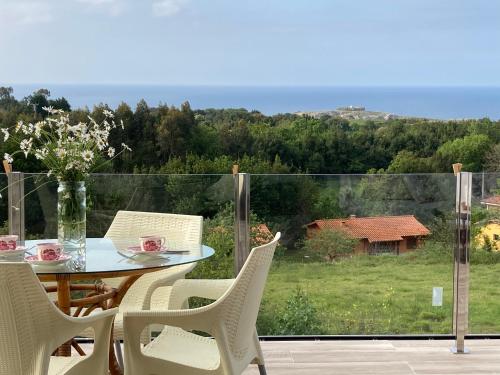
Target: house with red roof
377,234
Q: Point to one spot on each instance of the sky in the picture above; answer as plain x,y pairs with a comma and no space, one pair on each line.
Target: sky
251,42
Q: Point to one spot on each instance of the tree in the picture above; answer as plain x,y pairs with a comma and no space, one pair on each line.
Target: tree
330,244
492,159
328,204
174,131
38,100
6,97
407,162
60,103
470,150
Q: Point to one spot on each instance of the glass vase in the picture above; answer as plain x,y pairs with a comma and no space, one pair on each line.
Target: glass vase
71,220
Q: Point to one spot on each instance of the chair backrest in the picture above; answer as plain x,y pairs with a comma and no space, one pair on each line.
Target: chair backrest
26,321
241,305
178,228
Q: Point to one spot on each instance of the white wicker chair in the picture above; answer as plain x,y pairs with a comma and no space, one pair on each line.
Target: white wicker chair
31,328
230,320
132,225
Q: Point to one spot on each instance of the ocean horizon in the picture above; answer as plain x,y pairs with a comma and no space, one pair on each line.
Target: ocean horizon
430,102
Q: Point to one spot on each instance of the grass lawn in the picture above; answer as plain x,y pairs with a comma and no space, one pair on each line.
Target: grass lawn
376,295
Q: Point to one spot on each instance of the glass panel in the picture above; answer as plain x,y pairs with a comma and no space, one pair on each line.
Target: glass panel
484,303
4,203
361,254
210,196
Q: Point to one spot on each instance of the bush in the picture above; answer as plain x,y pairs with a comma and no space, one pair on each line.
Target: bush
330,244
299,317
481,256
433,252
218,233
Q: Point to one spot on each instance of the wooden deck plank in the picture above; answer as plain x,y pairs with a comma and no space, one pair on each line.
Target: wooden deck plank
378,357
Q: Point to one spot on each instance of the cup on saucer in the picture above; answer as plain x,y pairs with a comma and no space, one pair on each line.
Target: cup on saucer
8,242
49,251
152,243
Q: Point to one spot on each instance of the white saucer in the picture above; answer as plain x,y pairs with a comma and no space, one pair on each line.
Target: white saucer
136,250
13,254
33,259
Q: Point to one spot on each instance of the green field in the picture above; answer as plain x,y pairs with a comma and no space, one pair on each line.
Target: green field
374,295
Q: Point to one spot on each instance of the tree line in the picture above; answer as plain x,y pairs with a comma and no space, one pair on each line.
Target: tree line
168,139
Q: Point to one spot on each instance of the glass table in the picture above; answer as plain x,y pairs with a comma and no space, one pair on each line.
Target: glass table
106,258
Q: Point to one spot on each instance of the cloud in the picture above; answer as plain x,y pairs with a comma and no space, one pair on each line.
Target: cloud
113,7
168,8
24,12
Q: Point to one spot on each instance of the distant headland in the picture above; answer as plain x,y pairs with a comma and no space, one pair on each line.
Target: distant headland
351,113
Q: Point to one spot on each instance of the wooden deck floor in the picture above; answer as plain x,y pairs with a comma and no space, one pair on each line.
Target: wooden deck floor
379,358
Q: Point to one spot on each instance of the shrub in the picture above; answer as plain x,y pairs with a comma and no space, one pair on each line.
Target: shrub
480,256
299,316
330,244
433,252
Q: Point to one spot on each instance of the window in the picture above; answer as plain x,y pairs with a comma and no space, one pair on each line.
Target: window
496,237
378,248
411,243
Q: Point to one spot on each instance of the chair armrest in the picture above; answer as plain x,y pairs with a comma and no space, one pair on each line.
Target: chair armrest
183,289
150,282
102,322
201,319
70,327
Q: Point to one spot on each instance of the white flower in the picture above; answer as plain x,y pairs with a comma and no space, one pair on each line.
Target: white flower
101,145
111,152
87,155
6,134
49,109
126,147
8,158
40,154
61,152
108,113
19,125
26,145
38,129
26,128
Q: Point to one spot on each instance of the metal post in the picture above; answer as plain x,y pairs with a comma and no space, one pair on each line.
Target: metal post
461,261
241,219
16,204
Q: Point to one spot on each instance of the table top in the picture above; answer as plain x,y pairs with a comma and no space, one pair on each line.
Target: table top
109,258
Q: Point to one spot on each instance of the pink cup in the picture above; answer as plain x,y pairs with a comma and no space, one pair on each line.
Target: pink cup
49,251
152,243
8,242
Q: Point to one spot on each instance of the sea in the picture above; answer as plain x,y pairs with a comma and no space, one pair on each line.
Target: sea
429,102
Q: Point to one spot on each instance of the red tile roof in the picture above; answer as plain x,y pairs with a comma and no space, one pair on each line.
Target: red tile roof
494,200
376,229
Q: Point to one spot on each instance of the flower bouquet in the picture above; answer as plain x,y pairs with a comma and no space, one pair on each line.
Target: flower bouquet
70,152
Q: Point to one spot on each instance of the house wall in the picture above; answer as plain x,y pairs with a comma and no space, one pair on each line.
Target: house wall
311,231
403,246
361,247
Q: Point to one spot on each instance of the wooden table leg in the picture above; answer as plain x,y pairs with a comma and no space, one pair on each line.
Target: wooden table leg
64,304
